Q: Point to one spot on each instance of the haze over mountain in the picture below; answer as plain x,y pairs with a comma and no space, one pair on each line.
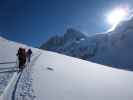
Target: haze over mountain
113,48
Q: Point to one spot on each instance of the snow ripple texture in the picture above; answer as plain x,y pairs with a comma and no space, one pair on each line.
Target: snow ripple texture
4,80
24,89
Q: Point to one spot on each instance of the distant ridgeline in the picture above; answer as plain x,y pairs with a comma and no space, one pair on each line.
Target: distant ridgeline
114,48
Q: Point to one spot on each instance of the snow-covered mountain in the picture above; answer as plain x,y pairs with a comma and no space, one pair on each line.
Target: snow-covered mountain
118,47
74,43
52,76
112,48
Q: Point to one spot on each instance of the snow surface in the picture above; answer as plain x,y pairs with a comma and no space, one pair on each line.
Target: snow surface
52,76
75,79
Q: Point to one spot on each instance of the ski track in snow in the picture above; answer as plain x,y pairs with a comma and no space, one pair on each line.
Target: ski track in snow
5,75
17,86
4,80
24,89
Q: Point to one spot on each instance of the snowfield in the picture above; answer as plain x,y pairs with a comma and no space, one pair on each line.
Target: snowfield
52,76
75,79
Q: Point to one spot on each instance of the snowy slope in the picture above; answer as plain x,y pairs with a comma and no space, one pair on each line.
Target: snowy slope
75,79
52,76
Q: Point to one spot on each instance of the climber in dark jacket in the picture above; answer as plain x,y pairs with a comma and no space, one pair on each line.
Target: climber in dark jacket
21,58
29,53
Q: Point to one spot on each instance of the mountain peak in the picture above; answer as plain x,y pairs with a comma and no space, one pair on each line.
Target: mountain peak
72,34
71,30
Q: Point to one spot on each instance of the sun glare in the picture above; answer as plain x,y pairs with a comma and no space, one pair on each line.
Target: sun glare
116,16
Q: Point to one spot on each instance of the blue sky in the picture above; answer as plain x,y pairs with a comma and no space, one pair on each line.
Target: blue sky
34,21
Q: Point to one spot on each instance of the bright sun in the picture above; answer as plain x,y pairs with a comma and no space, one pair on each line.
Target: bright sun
116,16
